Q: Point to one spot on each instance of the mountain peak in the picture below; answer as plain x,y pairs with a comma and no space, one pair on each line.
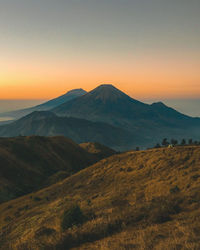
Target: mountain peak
106,86
106,92
76,91
158,104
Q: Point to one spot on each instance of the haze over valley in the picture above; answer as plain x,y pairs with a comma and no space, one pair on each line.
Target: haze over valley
187,106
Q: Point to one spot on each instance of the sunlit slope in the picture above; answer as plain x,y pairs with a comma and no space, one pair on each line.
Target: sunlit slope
142,200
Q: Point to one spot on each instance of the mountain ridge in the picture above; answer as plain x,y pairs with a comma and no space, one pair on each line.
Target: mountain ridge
143,124
46,123
110,95
152,121
74,93
105,100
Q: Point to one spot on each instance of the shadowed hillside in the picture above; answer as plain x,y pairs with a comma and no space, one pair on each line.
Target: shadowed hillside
27,163
135,200
45,123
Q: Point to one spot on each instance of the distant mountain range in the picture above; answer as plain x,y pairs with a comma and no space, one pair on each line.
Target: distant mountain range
70,95
106,115
108,104
147,123
45,123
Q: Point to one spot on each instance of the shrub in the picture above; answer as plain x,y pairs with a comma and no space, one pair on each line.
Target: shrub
8,219
89,202
165,143
9,207
174,190
36,198
162,208
129,169
72,216
157,145
44,231
183,142
195,177
159,216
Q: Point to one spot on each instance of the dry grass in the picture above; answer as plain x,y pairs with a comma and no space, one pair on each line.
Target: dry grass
125,199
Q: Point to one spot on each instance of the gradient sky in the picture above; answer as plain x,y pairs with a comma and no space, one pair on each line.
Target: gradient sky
147,48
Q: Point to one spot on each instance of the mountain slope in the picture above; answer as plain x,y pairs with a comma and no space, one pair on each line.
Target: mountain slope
135,200
147,123
45,123
105,103
27,162
70,95
135,123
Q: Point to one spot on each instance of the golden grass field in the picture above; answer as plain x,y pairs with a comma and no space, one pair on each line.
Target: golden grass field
134,200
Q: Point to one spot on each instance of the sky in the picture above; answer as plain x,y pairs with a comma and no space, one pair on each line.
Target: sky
147,48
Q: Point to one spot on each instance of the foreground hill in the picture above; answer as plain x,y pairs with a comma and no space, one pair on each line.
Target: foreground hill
45,123
27,163
147,123
70,95
135,200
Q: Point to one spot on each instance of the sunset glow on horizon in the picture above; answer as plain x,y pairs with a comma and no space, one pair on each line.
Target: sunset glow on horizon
147,49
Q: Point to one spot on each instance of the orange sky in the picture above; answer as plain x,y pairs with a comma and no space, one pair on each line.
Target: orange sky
149,49
141,77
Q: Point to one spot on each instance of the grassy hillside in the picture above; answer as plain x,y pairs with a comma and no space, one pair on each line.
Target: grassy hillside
27,163
135,200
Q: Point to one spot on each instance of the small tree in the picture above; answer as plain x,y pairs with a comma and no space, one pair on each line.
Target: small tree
190,141
183,142
174,142
165,143
137,149
157,145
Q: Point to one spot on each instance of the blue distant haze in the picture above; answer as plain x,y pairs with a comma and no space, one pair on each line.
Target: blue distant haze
187,106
